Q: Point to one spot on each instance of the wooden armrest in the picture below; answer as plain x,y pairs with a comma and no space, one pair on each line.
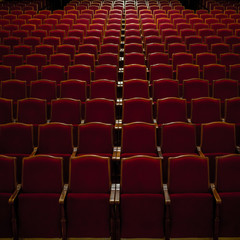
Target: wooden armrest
215,194
112,194
238,149
118,124
166,195
34,152
159,151
74,153
116,154
15,194
199,151
63,194
117,194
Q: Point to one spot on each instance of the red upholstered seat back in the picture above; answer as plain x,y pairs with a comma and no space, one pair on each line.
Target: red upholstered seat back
90,174
42,174
227,173
218,137
188,174
7,174
141,174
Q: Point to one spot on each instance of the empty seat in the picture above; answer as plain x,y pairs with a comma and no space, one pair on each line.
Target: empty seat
138,138
165,87
41,191
217,139
7,191
137,110
103,89
141,185
100,110
227,169
16,141
159,71
88,201
56,139
135,71
135,88
177,138
90,139
194,189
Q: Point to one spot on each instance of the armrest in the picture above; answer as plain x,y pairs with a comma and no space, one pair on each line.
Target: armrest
74,153
118,124
34,152
15,194
116,154
238,149
117,194
159,151
215,194
63,194
199,151
166,195
112,194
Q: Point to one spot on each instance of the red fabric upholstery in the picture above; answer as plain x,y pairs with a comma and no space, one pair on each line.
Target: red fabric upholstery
26,73
100,110
42,174
178,138
159,71
88,201
73,88
81,72
187,71
5,217
142,203
214,71
232,110
191,209
165,88
135,71
13,89
229,214
55,138
171,110
188,174
137,110
39,215
141,174
53,72
88,215
6,110
205,110
227,169
191,215
7,186
43,89
7,174
218,137
135,88
90,138
16,138
66,111
139,138
32,111
106,72
195,88
90,174
142,215
225,88
38,205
